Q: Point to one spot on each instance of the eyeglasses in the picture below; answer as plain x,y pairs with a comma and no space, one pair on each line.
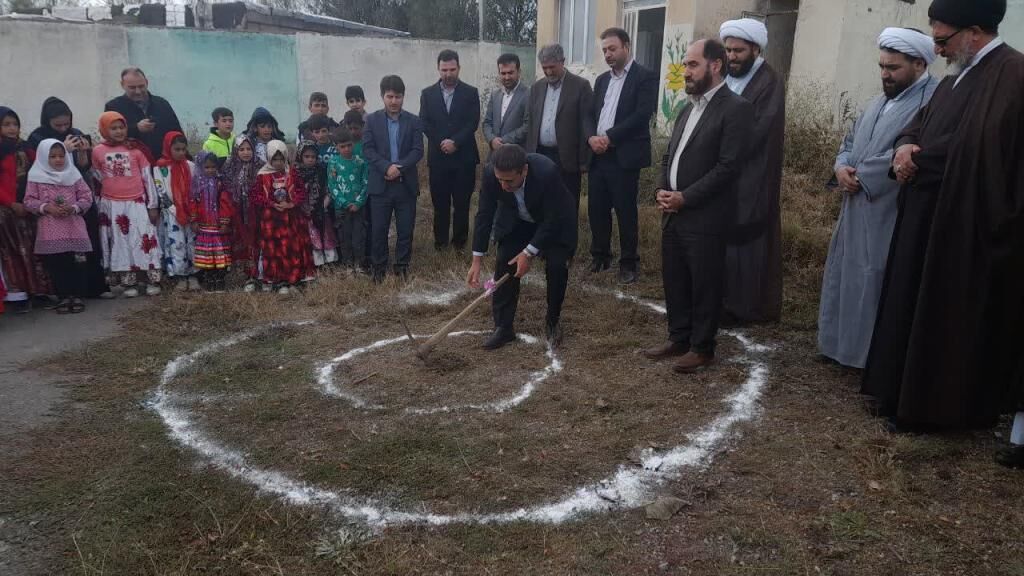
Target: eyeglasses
941,41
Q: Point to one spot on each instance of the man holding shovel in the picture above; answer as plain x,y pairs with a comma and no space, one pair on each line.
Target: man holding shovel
536,216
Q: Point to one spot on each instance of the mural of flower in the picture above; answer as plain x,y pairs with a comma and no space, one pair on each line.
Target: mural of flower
674,79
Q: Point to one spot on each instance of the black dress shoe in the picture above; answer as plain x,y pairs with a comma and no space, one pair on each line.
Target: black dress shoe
1011,457
499,338
402,272
599,266
554,334
627,276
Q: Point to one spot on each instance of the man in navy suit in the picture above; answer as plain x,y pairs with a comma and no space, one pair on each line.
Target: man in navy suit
392,145
450,111
533,214
625,98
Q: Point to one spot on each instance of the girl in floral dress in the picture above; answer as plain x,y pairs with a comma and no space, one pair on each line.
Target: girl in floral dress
59,195
285,255
212,210
129,209
239,177
172,178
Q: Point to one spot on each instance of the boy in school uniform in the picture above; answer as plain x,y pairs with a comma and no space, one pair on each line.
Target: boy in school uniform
222,135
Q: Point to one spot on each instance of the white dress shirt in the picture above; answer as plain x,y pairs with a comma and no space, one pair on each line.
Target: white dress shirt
995,43
611,100
448,95
524,215
506,99
700,104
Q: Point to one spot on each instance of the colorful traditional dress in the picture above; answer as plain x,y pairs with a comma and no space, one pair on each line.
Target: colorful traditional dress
321,219
172,180
240,179
285,254
22,272
212,211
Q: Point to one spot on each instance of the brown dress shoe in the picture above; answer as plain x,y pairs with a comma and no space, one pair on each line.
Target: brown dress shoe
693,362
666,350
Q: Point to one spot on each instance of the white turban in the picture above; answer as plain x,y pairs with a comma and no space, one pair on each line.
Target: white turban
910,42
745,29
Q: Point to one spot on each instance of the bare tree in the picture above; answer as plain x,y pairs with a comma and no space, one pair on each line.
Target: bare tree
513,21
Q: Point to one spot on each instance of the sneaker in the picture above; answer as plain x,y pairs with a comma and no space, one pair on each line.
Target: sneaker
283,290
130,292
193,284
152,290
108,295
250,286
266,288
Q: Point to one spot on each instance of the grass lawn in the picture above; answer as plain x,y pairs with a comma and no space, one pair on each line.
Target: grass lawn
813,485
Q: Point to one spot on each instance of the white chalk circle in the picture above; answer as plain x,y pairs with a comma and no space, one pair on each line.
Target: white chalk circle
327,384
629,486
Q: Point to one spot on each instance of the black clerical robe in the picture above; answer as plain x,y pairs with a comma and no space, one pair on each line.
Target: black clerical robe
950,330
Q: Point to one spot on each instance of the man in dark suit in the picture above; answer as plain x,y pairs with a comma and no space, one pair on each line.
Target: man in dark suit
535,217
625,98
560,118
450,112
697,198
392,145
507,114
148,116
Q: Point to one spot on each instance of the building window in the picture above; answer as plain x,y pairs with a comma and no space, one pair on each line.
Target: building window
576,22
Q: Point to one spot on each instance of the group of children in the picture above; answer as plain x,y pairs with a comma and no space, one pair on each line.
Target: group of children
242,201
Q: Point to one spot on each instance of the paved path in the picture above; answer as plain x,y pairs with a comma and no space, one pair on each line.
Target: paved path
28,398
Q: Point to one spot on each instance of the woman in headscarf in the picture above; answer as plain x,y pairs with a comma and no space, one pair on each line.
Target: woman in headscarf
56,121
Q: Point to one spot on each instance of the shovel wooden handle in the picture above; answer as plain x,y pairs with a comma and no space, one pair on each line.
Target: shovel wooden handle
428,345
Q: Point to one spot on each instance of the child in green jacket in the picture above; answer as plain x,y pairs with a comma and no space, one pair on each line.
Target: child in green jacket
346,180
221,136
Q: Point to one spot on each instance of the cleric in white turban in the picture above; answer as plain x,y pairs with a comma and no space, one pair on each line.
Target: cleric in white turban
908,41
753,31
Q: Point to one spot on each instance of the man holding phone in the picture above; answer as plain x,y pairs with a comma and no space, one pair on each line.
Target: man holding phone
149,116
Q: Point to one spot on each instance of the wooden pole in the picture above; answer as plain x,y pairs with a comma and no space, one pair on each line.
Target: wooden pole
424,349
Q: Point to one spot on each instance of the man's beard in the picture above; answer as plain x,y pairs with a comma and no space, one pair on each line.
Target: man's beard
699,87
959,60
894,89
745,67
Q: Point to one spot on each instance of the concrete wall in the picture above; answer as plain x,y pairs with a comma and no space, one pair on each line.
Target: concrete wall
198,70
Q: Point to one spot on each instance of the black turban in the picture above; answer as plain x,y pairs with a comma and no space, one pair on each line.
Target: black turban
966,13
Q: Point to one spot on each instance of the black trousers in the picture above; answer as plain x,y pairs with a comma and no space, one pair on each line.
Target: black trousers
398,200
350,229
556,268
68,272
572,180
612,188
693,271
451,189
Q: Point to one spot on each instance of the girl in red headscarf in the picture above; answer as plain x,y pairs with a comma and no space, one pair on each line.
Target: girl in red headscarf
172,177
129,210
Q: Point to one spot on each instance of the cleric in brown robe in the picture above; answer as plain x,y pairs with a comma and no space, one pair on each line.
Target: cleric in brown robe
753,257
950,330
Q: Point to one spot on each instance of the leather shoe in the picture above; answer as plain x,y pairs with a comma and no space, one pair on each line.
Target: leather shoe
554,334
499,338
599,266
667,350
1011,457
693,362
627,276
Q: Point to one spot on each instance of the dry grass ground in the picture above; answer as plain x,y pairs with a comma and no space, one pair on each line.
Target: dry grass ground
813,486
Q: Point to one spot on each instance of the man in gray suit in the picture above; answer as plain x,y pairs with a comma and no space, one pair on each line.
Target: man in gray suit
561,118
507,115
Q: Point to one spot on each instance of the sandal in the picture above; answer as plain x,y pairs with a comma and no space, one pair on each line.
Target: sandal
63,307
76,306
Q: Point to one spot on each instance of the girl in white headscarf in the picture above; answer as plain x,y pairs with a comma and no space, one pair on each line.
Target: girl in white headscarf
58,194
285,255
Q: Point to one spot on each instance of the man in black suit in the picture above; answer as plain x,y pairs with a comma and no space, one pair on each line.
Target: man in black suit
450,112
697,197
392,145
535,217
624,101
